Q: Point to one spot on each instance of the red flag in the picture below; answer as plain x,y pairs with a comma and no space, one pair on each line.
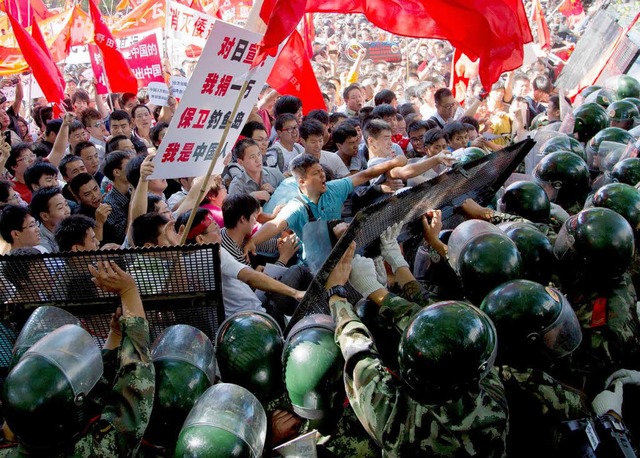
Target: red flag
571,8
41,64
39,38
292,69
27,11
119,74
461,72
308,33
281,17
494,31
543,33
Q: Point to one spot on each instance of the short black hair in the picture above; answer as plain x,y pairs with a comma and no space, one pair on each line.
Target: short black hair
284,117
120,115
53,125
311,127
301,163
236,206
79,181
147,228
40,200
75,125
65,161
5,190
337,116
201,214
287,104
250,127
82,145
343,132
14,154
152,201
114,161
470,120
452,129
12,219
542,83
385,96
320,115
154,133
36,171
433,135
384,111
349,88
441,94
375,127
133,170
112,144
72,231
415,126
241,147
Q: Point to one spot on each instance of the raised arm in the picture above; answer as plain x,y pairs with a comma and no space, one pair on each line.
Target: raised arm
62,140
364,176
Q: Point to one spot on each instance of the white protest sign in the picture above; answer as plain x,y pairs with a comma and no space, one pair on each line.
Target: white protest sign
177,86
158,93
188,25
206,106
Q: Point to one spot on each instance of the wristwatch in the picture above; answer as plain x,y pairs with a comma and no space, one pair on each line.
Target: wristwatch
337,290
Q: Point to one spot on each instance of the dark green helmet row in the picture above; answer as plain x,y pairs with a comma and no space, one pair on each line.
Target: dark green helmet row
535,250
446,349
565,178
590,118
563,143
601,96
627,171
597,243
626,86
622,110
464,155
526,199
622,199
313,367
248,350
534,323
45,396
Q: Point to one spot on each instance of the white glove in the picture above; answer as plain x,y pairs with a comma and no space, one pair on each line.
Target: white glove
363,276
381,271
390,249
608,400
625,376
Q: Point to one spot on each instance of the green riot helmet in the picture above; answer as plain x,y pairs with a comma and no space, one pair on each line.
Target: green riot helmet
487,261
602,97
45,396
184,361
624,86
248,351
587,91
446,349
610,134
227,421
622,199
590,118
627,171
534,323
597,243
622,114
563,143
42,321
526,199
634,100
535,250
313,367
464,155
540,120
564,177
464,232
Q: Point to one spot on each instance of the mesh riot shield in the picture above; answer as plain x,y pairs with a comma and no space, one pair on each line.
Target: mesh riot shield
478,180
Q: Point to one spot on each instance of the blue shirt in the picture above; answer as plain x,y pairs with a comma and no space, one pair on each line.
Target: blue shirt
329,206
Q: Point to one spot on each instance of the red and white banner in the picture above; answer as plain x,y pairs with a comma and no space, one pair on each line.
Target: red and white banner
144,61
188,25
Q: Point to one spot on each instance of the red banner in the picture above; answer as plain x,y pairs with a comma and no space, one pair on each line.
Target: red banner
144,61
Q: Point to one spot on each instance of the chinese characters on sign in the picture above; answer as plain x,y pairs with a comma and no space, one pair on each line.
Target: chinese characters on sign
188,24
206,108
144,60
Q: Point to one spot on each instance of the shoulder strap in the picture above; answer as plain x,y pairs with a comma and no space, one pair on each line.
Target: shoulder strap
306,206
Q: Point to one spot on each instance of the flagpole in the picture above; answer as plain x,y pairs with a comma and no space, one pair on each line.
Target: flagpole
253,24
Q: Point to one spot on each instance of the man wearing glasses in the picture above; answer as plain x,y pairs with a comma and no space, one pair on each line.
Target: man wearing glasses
97,129
448,110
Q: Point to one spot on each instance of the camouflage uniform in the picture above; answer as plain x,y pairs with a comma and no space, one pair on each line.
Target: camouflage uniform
550,229
538,403
475,424
119,430
611,335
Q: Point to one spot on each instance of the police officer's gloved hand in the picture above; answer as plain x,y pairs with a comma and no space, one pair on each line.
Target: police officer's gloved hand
363,276
609,400
390,249
625,376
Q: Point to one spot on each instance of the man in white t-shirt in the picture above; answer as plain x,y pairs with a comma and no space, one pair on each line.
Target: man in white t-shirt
312,134
286,146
